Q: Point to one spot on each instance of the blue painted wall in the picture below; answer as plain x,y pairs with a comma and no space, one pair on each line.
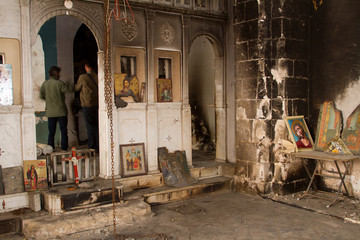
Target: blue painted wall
48,36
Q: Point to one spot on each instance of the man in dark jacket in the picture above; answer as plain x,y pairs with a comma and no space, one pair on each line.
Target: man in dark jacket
88,87
53,91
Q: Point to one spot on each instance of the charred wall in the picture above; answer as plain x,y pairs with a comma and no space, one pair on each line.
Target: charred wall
335,54
271,39
335,69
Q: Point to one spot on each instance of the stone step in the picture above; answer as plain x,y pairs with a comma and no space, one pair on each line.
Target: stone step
10,226
172,195
209,170
60,199
135,203
42,225
88,207
165,194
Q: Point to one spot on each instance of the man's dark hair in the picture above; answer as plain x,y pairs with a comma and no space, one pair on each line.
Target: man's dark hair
53,70
88,63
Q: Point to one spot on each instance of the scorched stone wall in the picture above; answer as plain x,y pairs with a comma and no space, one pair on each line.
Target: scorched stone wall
271,38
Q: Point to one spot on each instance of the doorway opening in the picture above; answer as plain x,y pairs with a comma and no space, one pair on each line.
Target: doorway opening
202,99
85,50
66,42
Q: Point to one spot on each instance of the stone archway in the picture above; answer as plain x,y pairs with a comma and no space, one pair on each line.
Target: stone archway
219,94
90,14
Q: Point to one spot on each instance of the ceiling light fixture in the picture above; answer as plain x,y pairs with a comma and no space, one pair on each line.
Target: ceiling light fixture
68,4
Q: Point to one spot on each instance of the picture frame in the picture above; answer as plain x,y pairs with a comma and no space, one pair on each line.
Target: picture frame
35,175
351,131
142,92
132,158
164,89
328,126
299,133
127,88
337,145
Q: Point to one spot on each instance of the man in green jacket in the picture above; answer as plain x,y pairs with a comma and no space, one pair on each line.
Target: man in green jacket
88,87
53,92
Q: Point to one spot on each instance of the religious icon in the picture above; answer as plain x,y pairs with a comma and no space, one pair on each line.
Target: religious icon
174,167
35,175
299,133
127,88
328,126
351,131
132,158
164,90
336,145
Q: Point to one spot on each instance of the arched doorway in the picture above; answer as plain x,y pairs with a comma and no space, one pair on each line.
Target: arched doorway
85,50
206,98
56,45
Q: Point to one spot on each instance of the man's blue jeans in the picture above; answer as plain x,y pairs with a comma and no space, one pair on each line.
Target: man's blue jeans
63,128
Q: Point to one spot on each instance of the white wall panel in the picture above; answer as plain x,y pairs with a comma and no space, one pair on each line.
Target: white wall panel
10,140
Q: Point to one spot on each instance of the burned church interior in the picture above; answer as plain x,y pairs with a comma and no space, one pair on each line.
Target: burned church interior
179,119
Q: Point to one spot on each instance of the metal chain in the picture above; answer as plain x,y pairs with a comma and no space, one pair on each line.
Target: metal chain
108,93
108,99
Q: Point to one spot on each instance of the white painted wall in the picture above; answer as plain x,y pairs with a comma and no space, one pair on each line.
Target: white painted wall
10,124
10,143
347,101
10,19
38,73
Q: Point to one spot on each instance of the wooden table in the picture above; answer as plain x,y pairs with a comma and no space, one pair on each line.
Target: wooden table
318,156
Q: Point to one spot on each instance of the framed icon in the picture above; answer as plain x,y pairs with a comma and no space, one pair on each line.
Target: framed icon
299,133
35,175
164,90
132,158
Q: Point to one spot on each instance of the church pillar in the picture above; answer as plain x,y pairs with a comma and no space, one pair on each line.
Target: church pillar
104,137
27,113
185,58
150,15
152,121
186,110
186,132
220,110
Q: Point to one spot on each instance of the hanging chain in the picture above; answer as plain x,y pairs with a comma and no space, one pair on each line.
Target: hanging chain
108,99
108,93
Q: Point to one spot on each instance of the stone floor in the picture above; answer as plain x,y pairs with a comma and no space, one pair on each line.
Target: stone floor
233,215
346,209
230,215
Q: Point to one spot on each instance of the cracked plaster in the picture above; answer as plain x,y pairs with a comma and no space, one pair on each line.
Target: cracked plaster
263,111
347,101
280,72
